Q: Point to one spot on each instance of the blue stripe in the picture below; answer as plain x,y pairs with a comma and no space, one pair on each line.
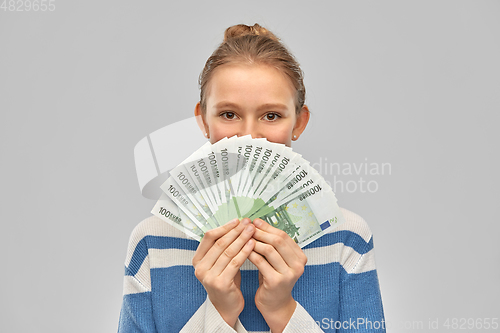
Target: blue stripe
346,237
162,242
157,242
140,253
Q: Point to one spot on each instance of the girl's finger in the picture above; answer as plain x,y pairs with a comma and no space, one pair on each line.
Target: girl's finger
272,256
234,265
264,267
211,237
280,242
218,246
278,238
231,256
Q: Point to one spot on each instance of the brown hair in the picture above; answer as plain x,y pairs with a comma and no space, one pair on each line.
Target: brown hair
254,44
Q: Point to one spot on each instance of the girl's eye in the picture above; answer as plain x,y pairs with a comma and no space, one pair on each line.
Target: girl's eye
228,115
271,116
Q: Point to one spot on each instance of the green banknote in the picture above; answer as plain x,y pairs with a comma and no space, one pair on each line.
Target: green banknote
241,177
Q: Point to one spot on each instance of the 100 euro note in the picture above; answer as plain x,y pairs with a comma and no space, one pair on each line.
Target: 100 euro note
306,217
186,203
169,212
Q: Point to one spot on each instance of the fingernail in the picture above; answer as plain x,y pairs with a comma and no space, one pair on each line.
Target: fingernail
246,220
257,222
233,221
249,228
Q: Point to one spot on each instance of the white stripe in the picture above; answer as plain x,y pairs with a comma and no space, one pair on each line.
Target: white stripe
248,266
348,258
132,286
366,264
151,226
164,258
143,275
324,255
140,282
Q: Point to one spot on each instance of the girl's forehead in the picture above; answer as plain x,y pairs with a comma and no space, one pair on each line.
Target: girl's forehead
243,79
242,68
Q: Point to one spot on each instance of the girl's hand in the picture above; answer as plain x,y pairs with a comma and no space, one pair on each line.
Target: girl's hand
217,263
280,262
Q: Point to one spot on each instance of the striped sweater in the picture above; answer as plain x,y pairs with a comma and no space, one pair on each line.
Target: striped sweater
338,291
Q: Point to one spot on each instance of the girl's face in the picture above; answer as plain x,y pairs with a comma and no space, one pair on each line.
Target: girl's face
251,99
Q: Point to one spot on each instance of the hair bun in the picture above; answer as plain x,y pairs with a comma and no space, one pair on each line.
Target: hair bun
240,30
245,44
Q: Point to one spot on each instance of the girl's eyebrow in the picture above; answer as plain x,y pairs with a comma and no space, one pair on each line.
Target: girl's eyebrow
225,104
267,106
272,106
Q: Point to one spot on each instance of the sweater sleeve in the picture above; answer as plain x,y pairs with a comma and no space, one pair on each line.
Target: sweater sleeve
207,319
136,314
360,299
301,321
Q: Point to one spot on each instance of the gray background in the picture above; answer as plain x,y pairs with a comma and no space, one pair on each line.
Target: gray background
410,83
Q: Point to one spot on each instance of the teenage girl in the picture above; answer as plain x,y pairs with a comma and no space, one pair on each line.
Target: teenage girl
251,84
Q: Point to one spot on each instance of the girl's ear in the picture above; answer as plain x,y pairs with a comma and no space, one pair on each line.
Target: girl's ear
200,119
301,122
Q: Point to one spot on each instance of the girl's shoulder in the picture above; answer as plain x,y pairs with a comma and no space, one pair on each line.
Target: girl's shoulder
154,226
355,224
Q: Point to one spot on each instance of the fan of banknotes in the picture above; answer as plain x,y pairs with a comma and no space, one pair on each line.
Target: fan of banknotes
241,177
